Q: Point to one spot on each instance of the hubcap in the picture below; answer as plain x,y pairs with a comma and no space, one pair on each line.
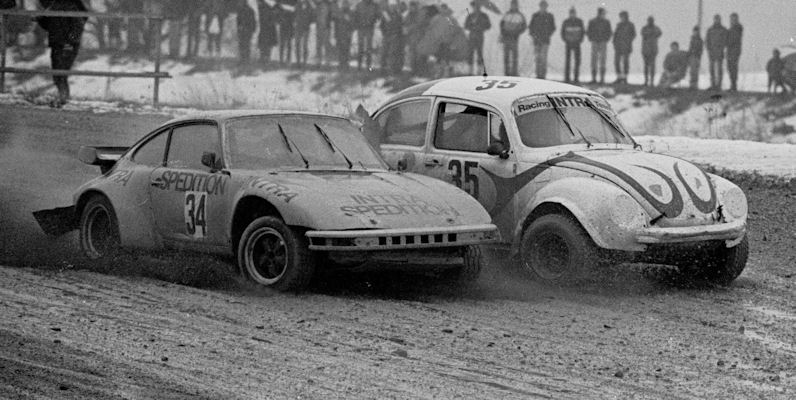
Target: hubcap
266,256
549,255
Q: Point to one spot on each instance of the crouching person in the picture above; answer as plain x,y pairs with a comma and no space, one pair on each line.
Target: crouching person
64,34
675,66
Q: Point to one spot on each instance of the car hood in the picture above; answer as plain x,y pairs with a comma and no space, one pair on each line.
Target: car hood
346,199
671,188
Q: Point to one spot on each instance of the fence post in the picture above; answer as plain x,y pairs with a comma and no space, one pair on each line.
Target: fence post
3,42
158,45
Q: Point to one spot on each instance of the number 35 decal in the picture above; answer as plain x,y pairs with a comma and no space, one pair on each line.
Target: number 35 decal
196,214
492,83
463,178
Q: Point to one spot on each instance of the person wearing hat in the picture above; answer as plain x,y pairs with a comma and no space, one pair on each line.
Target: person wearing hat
599,33
573,32
511,25
541,28
477,23
623,45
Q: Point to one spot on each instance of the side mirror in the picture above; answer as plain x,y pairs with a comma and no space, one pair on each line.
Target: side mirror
209,160
498,149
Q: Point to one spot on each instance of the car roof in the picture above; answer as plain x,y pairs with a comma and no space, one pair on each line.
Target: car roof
224,115
465,88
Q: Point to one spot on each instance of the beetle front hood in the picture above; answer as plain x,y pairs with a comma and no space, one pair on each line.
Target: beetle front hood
338,200
668,186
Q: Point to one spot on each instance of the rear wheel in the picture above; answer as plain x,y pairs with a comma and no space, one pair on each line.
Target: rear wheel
275,255
99,229
555,249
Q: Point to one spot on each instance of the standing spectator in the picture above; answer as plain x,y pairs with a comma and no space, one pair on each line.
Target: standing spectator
572,31
623,45
392,39
303,20
217,13
694,58
194,27
266,39
366,14
174,12
285,16
64,34
599,33
716,42
734,36
776,68
323,31
135,26
413,33
247,24
512,24
541,28
343,31
477,23
650,34
675,66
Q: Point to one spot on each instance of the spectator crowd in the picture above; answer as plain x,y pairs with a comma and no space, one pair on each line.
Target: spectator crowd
424,39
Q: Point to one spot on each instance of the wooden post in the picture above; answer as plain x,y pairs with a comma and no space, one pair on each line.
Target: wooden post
158,33
3,41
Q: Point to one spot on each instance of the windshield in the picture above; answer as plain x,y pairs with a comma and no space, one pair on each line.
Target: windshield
257,143
591,121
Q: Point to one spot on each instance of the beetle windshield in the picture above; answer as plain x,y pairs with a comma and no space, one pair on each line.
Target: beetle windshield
259,143
575,119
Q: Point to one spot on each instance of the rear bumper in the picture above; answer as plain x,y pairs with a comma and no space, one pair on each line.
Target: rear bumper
731,232
407,238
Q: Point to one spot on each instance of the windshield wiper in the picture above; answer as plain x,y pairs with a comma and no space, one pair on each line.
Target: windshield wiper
333,146
611,122
288,142
566,122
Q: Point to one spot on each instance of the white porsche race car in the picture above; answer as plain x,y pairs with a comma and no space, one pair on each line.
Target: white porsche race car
564,181
283,192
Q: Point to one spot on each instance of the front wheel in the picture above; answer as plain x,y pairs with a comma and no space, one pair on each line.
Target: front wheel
719,265
555,249
275,255
99,229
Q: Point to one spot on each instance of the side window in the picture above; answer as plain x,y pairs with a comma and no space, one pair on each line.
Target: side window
462,127
189,142
151,153
405,124
497,130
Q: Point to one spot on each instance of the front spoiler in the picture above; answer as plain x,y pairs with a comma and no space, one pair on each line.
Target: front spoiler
731,232
57,221
406,238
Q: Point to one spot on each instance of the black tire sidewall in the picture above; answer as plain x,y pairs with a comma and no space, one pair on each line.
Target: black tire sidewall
94,203
580,247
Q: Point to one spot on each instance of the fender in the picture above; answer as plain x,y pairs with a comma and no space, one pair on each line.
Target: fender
608,214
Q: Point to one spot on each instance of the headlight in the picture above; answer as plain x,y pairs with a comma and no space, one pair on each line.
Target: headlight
734,201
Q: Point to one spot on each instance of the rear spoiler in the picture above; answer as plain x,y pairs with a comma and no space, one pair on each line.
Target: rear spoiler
103,156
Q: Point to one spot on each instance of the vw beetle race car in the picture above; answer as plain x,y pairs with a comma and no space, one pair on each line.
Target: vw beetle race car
280,191
564,181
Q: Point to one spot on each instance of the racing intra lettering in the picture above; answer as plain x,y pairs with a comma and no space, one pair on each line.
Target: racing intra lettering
281,191
121,177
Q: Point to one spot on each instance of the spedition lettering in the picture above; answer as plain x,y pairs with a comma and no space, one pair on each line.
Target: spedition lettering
190,182
395,205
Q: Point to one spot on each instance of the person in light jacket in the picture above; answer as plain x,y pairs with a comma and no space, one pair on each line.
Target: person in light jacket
511,25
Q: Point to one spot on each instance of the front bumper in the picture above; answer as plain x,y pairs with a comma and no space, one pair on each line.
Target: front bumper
730,232
406,238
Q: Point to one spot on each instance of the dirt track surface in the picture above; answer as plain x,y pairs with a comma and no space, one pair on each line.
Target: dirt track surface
67,331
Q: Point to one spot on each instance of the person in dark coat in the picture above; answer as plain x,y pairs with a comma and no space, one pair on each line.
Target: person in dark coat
285,18
392,39
573,32
694,58
64,35
650,34
624,35
174,12
477,23
136,27
541,28
776,73
266,39
246,24
303,20
716,43
734,36
511,26
599,33
675,66
413,33
366,15
343,33
323,31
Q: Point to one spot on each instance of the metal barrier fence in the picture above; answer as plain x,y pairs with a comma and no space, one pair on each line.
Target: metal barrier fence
157,75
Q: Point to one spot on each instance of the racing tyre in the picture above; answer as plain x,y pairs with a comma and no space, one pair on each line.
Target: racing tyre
470,270
555,249
99,229
275,255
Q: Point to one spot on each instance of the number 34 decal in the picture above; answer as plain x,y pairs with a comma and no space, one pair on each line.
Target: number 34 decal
492,83
196,214
463,177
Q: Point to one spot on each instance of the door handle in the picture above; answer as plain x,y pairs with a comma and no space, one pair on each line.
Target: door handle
158,183
432,162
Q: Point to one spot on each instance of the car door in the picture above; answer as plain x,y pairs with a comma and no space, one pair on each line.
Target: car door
403,128
188,198
461,134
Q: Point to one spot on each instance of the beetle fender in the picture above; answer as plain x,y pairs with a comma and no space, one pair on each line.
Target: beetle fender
608,214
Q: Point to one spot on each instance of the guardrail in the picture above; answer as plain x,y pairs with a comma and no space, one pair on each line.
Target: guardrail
157,74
